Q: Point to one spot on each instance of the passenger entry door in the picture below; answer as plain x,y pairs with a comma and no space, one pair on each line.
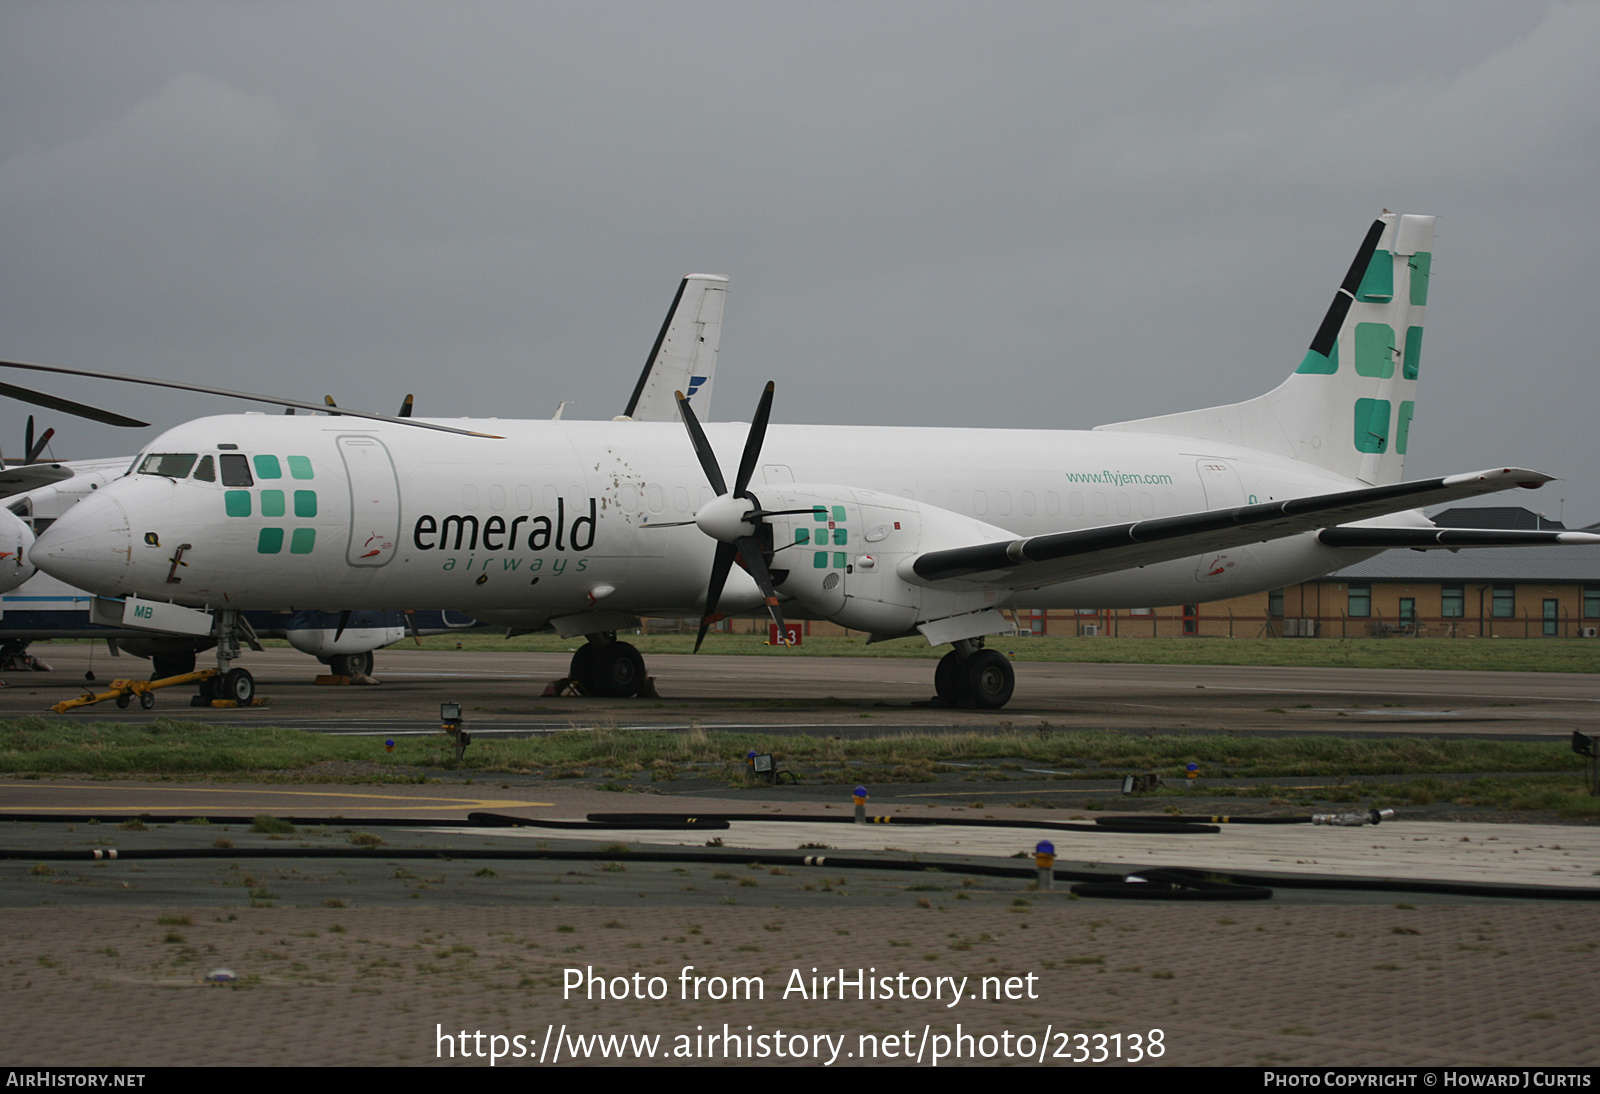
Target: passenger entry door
374,501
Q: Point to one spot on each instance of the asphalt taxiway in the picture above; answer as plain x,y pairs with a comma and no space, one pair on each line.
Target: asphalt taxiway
501,692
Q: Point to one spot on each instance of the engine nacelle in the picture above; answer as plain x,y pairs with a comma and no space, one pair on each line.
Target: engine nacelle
314,632
16,540
843,560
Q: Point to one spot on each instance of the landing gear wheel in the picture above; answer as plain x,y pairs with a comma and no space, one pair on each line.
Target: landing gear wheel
163,665
947,679
239,686
122,701
617,671
147,700
582,668
987,680
351,664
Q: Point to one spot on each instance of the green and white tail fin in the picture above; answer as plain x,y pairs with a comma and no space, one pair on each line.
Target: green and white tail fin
1348,407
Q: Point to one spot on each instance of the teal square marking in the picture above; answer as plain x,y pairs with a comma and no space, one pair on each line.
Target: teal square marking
305,503
267,468
270,542
302,541
300,467
272,503
237,503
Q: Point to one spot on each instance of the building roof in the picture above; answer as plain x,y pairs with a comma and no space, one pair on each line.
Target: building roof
1484,565
1495,516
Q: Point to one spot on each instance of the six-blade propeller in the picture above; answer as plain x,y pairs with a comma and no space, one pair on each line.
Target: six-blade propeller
732,517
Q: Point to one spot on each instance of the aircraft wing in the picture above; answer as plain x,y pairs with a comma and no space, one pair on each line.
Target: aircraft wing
1450,539
24,477
1066,556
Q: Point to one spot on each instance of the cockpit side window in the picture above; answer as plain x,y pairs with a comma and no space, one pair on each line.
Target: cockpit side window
235,470
204,471
172,465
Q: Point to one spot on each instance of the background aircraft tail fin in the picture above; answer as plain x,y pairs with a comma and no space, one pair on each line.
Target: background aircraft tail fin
1348,407
684,357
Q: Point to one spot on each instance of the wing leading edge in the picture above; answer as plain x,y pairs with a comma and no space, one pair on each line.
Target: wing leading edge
1065,556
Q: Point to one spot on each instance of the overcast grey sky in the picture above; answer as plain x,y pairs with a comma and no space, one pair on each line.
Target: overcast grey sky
1042,215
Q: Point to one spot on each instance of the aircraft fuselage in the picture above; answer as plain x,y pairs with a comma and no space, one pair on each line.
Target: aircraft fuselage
553,518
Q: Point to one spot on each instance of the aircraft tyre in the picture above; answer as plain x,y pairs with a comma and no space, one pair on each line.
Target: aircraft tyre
947,679
163,665
581,668
987,680
617,670
239,686
351,664
147,700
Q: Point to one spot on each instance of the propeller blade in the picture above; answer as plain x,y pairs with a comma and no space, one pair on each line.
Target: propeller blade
405,407
225,393
67,406
411,625
719,577
702,450
27,441
344,621
750,555
33,452
752,443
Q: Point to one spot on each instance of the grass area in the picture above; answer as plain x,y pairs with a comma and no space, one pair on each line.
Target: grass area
1463,654
1546,776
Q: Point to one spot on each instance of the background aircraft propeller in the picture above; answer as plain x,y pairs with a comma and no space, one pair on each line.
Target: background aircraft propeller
732,518
31,450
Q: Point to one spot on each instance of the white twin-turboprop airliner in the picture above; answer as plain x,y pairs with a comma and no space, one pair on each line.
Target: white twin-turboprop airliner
583,526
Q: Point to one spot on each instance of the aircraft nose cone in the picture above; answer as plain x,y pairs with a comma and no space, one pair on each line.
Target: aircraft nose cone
90,546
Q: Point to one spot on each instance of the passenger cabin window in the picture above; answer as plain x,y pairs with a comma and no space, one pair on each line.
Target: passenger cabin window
235,470
172,465
205,471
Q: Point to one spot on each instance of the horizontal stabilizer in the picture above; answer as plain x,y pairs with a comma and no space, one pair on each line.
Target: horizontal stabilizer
1063,556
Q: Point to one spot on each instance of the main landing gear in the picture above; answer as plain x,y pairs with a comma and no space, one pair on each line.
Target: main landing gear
975,678
608,669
